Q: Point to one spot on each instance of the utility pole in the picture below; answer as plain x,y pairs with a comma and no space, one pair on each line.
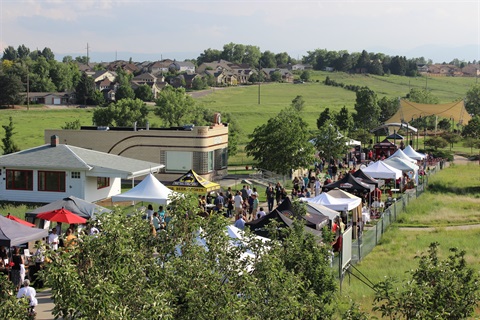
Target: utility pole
88,53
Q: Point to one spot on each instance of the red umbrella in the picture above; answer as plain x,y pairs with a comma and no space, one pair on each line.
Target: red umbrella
26,223
61,215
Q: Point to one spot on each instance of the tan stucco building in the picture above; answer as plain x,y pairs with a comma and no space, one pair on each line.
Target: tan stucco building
203,148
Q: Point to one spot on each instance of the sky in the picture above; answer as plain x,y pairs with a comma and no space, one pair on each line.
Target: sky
156,29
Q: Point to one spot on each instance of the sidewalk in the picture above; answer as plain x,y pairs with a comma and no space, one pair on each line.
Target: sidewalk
45,305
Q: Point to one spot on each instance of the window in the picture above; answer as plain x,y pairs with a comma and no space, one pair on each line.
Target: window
103,182
19,179
51,181
178,161
75,175
211,161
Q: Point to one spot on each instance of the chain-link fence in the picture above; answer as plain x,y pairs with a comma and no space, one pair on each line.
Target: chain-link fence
373,232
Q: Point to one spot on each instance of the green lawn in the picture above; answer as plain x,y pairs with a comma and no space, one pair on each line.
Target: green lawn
453,198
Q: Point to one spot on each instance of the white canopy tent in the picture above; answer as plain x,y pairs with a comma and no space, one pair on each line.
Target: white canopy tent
337,204
150,190
400,154
318,209
407,167
381,170
410,152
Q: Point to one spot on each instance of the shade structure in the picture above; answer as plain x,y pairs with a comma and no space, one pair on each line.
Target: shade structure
381,170
411,153
76,205
25,223
192,182
350,184
63,216
395,136
359,174
400,154
13,233
318,209
337,204
410,169
150,190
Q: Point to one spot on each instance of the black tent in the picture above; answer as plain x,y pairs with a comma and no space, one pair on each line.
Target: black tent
349,183
76,205
282,215
13,233
395,136
359,174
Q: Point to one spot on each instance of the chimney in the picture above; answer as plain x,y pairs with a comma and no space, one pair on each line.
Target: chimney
148,125
54,141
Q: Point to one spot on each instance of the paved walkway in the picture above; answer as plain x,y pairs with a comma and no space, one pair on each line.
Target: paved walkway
45,305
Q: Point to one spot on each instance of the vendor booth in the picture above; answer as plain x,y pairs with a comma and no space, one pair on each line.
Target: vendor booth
384,149
192,182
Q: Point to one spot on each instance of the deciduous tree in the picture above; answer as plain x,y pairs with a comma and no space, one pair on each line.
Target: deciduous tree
367,110
472,100
281,145
123,113
329,142
422,96
175,107
298,103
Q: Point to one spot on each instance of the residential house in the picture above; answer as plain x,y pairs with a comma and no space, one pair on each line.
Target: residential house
183,80
155,83
54,171
104,74
160,67
301,67
223,77
123,65
182,66
51,98
286,75
471,70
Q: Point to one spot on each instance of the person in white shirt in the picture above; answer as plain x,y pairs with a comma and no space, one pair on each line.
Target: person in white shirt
249,191
261,213
53,239
318,186
238,202
29,293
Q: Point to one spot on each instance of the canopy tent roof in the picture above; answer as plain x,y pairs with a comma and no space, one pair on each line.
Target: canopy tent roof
411,153
192,182
13,233
279,215
385,144
411,110
359,174
318,209
337,204
400,164
339,193
395,136
150,190
16,219
349,183
381,170
76,205
400,154
386,127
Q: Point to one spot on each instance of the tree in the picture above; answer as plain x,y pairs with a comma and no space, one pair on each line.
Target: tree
422,96
48,54
125,91
144,93
324,117
97,97
123,113
444,124
199,83
285,137
23,52
343,120
451,138
472,100
282,59
9,146
85,89
175,107
388,107
268,60
11,88
471,143
11,307
367,110
292,279
436,142
298,103
252,55
72,125
472,129
276,76
209,55
438,289
305,75
9,53
329,142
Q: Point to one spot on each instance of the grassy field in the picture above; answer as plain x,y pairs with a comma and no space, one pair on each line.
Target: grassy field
453,198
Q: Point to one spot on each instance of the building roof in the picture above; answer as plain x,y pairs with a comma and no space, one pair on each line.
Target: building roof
66,157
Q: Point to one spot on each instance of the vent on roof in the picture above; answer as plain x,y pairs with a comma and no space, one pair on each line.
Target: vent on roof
54,141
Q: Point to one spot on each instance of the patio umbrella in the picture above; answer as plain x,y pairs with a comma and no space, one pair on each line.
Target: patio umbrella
25,223
62,215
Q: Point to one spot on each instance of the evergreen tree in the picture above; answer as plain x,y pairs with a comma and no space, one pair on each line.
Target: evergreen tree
9,145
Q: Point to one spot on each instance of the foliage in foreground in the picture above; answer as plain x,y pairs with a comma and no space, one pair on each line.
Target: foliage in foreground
10,307
189,271
438,289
